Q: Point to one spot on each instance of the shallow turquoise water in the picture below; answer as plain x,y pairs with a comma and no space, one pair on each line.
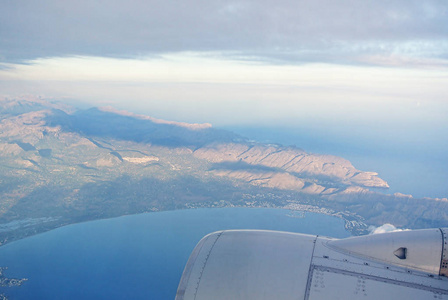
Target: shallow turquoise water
133,257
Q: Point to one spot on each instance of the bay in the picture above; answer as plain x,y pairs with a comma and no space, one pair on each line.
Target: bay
134,257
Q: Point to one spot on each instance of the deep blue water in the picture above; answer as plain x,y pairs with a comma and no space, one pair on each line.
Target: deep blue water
133,257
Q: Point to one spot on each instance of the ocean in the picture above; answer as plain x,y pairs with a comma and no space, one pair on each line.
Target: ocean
134,257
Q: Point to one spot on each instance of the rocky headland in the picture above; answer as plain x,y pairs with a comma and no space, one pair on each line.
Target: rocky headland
60,165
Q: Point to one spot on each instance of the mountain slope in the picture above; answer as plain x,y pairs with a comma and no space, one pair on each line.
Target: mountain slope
59,165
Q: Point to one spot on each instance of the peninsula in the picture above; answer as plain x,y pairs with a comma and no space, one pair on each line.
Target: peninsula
60,165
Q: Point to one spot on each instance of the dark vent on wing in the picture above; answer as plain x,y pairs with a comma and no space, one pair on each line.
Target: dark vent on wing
401,252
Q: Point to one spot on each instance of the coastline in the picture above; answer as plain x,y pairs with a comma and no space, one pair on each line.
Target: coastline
353,222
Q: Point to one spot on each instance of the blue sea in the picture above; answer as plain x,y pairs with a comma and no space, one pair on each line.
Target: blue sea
133,257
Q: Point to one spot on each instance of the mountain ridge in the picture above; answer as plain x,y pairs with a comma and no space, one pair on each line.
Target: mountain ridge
65,165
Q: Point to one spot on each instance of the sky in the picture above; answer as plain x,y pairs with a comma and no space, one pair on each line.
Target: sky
231,62
364,73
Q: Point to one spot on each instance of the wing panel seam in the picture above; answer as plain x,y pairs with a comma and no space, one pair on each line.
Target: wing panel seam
310,272
205,262
381,279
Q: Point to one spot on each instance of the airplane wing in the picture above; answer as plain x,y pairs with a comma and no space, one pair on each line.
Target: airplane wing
259,264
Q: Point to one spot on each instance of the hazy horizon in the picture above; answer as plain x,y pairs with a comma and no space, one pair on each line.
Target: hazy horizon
363,80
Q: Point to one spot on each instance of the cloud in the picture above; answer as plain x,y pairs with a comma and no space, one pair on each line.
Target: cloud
384,229
288,31
203,88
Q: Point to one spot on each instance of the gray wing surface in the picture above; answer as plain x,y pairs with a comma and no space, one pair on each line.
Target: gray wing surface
258,264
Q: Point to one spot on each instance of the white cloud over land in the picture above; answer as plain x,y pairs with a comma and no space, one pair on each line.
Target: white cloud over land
385,228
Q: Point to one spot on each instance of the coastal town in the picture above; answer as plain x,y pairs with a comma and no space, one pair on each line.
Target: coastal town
353,222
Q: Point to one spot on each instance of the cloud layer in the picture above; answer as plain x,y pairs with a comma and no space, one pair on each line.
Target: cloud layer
371,32
385,228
